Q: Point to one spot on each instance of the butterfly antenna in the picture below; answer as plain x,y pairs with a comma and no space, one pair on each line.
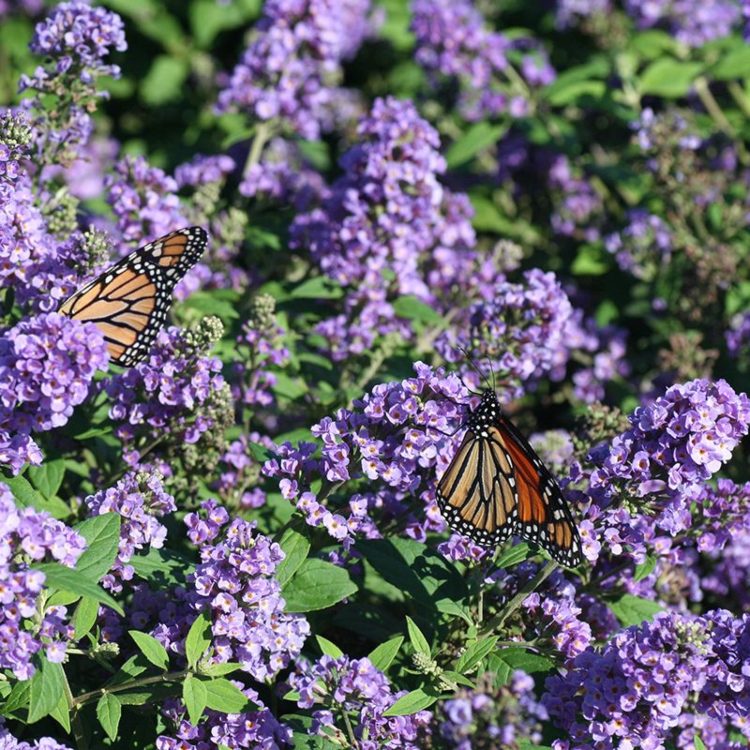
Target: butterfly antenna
474,366
492,372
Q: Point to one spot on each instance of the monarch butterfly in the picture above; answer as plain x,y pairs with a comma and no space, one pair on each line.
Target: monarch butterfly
496,486
129,301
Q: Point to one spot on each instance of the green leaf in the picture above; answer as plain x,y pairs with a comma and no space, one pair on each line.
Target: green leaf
449,607
27,497
162,566
132,668
574,91
590,261
222,695
654,43
475,653
109,711
61,713
288,387
102,535
60,578
151,649
48,477
18,697
411,703
457,678
164,81
478,137
500,668
84,617
208,303
329,648
320,287
698,743
208,18
198,639
219,670
529,662
295,546
195,698
317,584
644,569
382,656
47,687
633,610
417,638
513,555
669,78
413,308
259,452
734,64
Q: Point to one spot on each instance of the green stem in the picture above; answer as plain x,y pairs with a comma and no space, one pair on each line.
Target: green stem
497,621
263,134
349,729
740,97
76,724
93,695
717,114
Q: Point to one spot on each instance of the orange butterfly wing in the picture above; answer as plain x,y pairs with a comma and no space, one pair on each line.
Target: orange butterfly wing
496,486
129,302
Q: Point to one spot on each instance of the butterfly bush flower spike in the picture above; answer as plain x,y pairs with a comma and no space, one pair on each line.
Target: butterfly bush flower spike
47,364
29,537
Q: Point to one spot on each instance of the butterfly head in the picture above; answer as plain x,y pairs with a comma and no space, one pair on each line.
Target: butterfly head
486,414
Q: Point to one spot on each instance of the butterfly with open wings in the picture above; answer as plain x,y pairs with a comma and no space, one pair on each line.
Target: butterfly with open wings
496,487
129,302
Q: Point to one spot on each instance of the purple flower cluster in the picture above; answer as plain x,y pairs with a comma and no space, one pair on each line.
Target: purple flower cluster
738,335
7,740
143,199
166,397
454,43
355,687
256,730
204,178
47,364
77,34
234,583
692,22
398,435
570,13
388,227
519,333
578,205
643,247
676,442
41,269
140,500
647,483
291,70
29,537
670,682
74,40
239,473
559,614
260,347
492,718
283,176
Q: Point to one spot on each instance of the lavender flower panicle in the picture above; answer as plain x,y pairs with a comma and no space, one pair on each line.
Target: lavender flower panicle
292,68
364,693
140,500
28,537
47,364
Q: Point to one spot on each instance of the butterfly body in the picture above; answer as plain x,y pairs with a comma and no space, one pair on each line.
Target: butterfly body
129,302
496,486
